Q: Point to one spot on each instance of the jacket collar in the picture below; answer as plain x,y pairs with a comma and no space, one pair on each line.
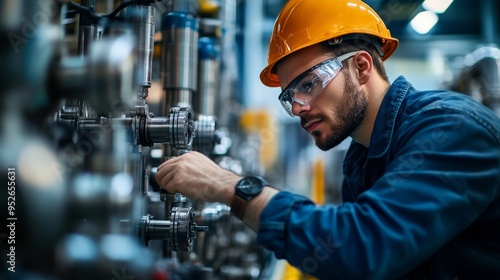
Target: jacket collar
386,118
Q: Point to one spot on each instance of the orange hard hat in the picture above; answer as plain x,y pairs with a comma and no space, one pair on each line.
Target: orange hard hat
303,23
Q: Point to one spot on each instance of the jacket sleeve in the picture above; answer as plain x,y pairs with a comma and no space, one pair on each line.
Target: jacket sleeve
443,173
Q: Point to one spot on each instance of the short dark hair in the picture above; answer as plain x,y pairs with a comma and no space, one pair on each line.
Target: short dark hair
362,43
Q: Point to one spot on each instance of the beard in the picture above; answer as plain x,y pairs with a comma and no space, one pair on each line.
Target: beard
348,115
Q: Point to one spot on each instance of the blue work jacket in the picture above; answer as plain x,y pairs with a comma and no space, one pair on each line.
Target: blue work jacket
422,202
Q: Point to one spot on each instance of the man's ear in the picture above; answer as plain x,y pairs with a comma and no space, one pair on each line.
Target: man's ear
364,66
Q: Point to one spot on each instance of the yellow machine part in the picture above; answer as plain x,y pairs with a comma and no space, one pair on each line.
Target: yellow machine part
262,123
208,7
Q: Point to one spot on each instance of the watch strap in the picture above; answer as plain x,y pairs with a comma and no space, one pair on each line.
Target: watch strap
238,207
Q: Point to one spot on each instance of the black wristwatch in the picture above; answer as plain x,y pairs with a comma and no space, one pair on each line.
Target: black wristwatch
245,190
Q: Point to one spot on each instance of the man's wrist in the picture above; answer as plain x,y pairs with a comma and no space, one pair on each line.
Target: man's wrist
257,205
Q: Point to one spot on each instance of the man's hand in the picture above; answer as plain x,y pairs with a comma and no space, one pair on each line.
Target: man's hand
196,176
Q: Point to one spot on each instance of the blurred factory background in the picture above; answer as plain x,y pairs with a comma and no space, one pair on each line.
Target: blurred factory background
96,94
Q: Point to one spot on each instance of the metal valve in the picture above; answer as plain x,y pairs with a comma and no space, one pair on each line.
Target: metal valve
183,128
205,134
177,129
184,229
180,231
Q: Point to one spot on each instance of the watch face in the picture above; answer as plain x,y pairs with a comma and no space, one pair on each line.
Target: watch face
249,187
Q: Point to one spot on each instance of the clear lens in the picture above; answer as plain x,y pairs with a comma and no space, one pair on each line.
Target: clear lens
287,105
308,85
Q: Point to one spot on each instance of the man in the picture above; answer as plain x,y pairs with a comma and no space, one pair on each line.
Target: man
421,192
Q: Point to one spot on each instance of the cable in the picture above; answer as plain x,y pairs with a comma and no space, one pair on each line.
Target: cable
90,10
119,8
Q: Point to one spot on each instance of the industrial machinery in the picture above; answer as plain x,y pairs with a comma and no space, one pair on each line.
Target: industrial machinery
80,141
478,75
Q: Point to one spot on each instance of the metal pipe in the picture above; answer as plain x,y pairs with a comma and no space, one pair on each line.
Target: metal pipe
179,57
208,76
87,32
143,24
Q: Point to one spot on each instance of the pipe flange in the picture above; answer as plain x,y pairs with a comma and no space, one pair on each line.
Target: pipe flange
182,128
205,134
180,231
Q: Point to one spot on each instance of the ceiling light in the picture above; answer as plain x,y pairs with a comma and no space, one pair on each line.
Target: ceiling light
423,22
436,6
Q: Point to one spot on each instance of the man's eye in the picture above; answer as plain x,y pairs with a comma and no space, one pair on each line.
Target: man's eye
308,85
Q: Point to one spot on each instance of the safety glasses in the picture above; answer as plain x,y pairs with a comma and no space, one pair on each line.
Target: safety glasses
308,85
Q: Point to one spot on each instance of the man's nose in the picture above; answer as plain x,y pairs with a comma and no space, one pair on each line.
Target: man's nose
298,109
